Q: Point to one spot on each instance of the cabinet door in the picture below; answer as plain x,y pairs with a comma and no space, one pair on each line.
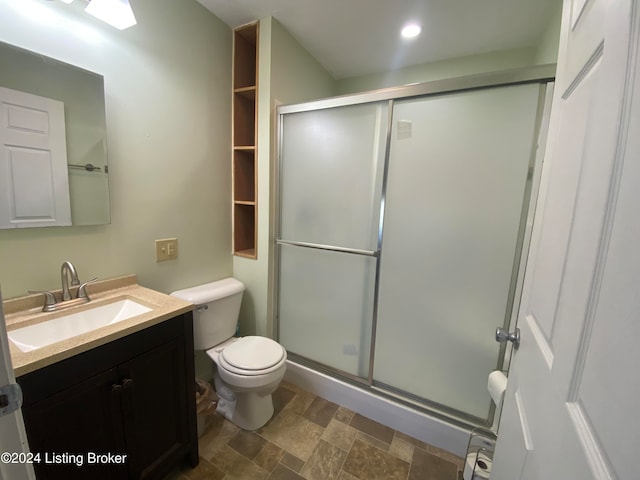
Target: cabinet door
155,409
70,425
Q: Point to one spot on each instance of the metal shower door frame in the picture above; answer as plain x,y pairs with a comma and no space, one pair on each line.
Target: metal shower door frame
541,74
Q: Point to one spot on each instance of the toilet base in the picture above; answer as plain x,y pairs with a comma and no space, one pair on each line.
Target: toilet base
253,410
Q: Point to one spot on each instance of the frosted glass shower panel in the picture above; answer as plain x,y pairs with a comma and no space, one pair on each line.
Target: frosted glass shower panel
331,171
325,306
457,176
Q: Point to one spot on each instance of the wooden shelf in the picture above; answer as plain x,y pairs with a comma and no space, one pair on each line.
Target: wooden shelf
244,175
246,253
244,120
245,55
244,126
244,233
247,92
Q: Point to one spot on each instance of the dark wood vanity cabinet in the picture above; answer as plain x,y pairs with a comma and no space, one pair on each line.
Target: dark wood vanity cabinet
134,396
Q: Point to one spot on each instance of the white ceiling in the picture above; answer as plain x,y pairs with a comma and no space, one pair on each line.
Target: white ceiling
358,37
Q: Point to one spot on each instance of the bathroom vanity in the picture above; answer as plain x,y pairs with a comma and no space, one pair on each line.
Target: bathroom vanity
114,403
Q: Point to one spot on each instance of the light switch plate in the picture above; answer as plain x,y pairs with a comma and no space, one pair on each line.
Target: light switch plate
166,249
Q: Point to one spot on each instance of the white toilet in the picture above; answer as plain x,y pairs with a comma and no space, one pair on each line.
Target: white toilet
250,367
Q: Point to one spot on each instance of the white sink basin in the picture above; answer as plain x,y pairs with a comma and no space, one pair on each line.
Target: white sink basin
52,331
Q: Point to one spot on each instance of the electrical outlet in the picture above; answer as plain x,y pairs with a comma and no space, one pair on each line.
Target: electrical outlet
166,249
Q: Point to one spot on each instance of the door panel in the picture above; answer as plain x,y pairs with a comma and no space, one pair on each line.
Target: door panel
576,368
93,429
331,175
331,170
33,161
326,306
552,238
154,408
457,175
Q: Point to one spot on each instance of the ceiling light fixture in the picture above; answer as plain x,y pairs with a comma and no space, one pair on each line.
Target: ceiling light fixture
411,30
116,13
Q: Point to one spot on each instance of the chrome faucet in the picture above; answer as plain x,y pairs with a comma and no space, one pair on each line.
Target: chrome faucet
66,300
66,269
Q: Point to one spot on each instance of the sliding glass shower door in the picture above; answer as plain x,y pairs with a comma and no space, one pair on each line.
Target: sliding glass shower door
400,224
457,174
330,187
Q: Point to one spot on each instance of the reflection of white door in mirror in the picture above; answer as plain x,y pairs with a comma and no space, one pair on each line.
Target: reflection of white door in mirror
34,184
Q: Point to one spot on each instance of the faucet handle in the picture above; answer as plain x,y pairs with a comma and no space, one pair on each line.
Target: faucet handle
82,289
49,299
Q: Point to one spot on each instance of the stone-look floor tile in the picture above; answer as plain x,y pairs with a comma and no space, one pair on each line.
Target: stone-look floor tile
215,421
373,428
320,411
177,473
426,466
236,466
283,473
346,476
448,456
204,471
247,443
324,463
339,434
294,434
370,463
281,397
401,449
300,402
269,457
293,462
373,441
291,386
344,415
216,435
414,441
294,445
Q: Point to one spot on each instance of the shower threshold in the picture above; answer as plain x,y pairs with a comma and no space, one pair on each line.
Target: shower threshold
446,433
407,400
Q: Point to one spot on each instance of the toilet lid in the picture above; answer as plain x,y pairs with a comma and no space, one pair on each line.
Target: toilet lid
253,353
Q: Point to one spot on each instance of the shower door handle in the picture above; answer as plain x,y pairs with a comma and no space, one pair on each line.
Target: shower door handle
503,335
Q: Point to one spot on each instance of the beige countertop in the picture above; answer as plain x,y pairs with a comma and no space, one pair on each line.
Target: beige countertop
24,311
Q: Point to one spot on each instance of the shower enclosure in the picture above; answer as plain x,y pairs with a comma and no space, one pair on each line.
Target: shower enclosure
401,224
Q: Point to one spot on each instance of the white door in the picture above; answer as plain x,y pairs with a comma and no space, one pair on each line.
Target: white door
34,182
13,438
571,407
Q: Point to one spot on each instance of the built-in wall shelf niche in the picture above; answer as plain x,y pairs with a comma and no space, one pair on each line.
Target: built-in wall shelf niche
244,122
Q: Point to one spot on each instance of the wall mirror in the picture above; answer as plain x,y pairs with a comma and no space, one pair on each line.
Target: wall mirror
86,174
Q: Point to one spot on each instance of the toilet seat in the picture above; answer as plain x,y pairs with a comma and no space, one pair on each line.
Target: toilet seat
252,356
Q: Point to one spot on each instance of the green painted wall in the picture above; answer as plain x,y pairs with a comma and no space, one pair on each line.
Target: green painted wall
167,84
547,51
427,72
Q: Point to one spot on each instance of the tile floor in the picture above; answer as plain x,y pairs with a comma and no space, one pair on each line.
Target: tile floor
314,439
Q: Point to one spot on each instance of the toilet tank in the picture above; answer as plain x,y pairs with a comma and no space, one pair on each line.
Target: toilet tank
215,317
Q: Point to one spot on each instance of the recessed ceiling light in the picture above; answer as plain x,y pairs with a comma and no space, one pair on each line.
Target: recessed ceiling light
411,30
